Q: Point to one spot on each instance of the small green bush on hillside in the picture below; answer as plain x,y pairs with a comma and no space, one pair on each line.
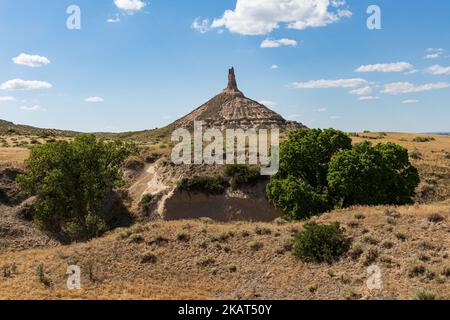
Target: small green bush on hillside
320,242
423,139
241,174
205,184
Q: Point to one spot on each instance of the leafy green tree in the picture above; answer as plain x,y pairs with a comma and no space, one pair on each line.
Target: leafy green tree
373,175
320,169
300,187
307,152
72,181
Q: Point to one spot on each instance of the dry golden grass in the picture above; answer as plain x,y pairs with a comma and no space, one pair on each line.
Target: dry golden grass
13,156
203,260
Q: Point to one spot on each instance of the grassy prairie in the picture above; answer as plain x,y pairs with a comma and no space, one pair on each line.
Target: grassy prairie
201,259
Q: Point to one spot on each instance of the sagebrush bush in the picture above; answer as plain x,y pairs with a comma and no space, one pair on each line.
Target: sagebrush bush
320,242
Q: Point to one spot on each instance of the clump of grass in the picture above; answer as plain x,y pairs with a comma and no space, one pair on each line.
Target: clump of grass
355,252
360,216
424,294
40,272
218,237
387,244
280,221
255,245
435,218
262,230
348,293
205,261
424,245
353,224
392,213
202,244
288,243
232,268
370,240
183,237
148,257
416,269
446,271
390,221
159,240
423,257
245,233
370,256
400,236
8,270
415,154
136,238
312,287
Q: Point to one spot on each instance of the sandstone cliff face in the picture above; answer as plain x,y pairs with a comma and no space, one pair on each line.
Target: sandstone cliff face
231,109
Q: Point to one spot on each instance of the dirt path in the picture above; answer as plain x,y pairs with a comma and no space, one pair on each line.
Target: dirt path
147,183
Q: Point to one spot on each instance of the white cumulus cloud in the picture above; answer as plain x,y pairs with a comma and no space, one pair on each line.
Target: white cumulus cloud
7,98
407,87
434,53
94,99
29,60
323,84
130,5
368,98
274,66
114,19
19,84
260,17
269,43
362,91
35,108
438,70
410,101
201,25
386,67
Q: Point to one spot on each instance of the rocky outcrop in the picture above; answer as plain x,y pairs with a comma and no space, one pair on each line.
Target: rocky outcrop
231,109
246,204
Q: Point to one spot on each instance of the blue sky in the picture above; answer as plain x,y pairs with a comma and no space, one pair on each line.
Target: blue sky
154,61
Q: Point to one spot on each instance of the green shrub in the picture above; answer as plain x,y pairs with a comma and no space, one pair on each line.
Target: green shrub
320,242
241,175
145,201
205,184
320,170
297,198
423,139
424,294
72,181
373,175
